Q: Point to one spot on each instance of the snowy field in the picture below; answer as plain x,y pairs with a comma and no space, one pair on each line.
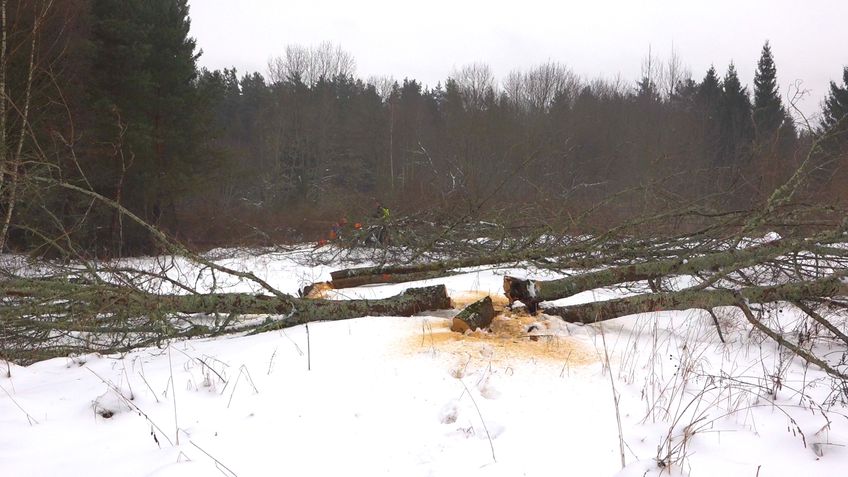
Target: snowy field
407,397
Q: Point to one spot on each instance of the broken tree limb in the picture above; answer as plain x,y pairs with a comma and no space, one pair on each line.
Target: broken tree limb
475,316
703,299
716,323
822,321
742,304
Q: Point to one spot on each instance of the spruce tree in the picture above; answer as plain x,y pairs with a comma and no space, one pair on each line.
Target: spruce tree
768,113
646,91
834,122
735,117
709,91
835,110
144,68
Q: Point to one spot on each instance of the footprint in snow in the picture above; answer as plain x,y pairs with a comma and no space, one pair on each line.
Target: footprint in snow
450,412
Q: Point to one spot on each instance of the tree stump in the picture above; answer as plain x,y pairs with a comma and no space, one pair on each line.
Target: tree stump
525,291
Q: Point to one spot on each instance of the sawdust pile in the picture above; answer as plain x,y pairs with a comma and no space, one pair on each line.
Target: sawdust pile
514,336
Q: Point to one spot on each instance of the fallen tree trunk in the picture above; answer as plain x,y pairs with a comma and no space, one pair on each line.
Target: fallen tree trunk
579,255
533,292
41,317
388,277
408,303
378,271
703,299
83,298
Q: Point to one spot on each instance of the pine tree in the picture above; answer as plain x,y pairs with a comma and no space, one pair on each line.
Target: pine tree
769,113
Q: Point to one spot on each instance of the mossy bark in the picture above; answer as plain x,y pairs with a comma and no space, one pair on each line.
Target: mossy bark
33,307
689,299
546,290
475,316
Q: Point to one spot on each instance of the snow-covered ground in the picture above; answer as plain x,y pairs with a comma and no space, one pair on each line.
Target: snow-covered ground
405,396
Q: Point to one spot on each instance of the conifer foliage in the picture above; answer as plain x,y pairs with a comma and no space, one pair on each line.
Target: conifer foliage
769,113
835,112
206,155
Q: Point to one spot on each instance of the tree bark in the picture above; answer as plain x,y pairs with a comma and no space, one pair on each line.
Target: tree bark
546,290
704,299
475,316
82,306
387,277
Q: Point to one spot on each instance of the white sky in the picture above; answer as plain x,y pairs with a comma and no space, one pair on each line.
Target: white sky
427,40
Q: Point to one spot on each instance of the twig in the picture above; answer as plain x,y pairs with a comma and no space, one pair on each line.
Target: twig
271,361
220,465
133,405
174,392
716,323
485,428
29,418
308,350
242,370
614,397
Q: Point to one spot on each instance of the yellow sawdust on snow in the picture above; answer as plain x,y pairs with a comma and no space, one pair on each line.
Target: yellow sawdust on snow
319,291
462,299
507,341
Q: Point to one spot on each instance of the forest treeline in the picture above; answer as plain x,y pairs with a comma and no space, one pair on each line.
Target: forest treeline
107,95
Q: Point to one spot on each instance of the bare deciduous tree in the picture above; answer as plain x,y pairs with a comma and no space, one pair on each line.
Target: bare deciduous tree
311,64
17,103
384,85
674,73
537,88
476,82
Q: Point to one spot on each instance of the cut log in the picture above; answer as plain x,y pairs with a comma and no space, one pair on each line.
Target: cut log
689,299
388,277
475,316
353,277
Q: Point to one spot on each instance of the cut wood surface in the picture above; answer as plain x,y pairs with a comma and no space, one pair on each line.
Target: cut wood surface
475,316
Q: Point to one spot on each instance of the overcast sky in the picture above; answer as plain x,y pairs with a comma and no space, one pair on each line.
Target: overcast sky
427,40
